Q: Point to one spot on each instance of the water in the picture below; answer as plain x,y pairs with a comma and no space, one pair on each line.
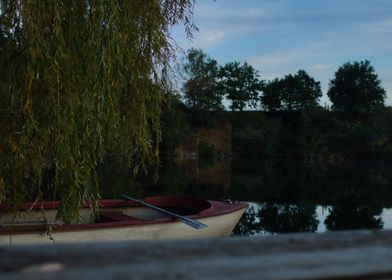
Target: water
251,224
284,195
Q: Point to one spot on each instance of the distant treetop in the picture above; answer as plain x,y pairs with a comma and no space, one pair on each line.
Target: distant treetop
291,93
356,88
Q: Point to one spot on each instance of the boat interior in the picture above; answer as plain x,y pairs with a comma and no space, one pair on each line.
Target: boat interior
110,211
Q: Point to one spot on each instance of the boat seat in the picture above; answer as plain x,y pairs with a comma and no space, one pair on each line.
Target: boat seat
114,216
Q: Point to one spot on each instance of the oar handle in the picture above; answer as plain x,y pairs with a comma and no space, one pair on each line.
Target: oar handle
193,223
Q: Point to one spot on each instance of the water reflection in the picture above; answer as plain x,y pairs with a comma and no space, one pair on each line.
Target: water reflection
264,219
345,217
277,218
289,195
288,218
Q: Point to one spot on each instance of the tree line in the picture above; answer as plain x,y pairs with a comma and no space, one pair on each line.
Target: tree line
354,88
291,123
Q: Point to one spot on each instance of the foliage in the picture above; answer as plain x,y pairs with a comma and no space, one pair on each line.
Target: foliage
206,154
261,135
336,137
315,136
292,93
79,80
201,86
175,124
271,99
356,88
241,85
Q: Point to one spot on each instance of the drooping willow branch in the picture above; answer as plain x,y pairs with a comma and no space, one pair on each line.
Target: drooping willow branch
79,80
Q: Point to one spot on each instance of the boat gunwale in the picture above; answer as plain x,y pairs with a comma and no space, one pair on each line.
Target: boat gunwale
216,208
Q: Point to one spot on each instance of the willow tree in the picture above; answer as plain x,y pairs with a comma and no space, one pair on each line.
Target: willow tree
80,79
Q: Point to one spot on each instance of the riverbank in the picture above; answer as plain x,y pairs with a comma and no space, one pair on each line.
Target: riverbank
337,255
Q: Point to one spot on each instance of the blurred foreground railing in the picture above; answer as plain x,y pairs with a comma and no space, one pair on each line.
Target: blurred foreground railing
339,255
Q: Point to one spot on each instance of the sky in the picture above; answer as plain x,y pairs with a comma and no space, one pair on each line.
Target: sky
280,37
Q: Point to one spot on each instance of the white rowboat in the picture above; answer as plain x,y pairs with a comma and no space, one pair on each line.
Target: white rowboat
120,220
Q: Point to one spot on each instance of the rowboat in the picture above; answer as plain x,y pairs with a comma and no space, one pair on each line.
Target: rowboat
121,220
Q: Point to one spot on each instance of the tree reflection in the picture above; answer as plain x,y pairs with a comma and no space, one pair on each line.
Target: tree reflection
276,218
249,223
347,217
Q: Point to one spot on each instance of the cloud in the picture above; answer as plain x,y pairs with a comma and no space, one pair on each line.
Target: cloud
272,75
218,11
210,38
387,85
321,67
279,59
218,22
280,64
387,22
237,18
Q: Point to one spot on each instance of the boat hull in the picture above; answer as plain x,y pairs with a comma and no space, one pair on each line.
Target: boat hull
219,223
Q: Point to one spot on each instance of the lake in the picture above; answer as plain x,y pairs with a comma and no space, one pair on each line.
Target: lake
284,195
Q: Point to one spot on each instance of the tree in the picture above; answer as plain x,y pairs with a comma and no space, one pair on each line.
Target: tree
240,84
201,88
356,88
80,80
271,98
292,93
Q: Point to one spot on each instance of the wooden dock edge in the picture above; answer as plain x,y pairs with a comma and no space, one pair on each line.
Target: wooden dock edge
337,255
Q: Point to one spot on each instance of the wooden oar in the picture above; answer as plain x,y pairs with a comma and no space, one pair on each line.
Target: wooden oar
185,220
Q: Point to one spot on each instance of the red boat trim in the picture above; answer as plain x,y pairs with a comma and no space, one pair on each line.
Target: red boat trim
210,209
217,209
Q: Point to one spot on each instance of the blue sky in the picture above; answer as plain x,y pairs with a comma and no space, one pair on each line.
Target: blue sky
279,37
